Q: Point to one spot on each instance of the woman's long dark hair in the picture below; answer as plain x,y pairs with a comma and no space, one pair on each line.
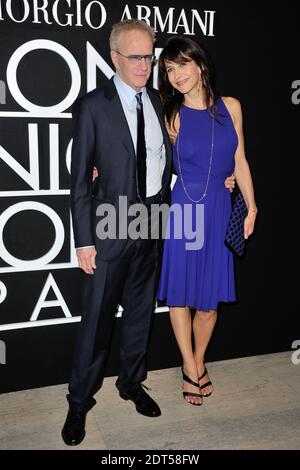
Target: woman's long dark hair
180,49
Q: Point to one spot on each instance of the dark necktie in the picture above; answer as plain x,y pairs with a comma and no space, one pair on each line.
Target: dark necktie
141,147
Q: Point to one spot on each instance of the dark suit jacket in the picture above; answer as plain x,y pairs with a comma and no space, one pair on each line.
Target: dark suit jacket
101,137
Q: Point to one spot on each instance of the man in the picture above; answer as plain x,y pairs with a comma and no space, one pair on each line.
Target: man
120,130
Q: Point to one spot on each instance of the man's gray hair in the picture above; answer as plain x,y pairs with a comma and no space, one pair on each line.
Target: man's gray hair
128,25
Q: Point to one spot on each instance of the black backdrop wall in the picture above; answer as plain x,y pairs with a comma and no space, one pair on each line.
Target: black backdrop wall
51,55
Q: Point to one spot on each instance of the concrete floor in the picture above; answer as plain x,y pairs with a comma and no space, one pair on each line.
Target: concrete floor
256,405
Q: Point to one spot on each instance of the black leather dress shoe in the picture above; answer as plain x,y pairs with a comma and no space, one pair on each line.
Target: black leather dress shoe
73,431
143,402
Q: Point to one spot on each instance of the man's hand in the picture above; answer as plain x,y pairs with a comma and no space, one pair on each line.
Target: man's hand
230,183
87,259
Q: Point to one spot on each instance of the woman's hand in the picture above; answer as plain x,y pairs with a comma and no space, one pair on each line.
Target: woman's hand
249,222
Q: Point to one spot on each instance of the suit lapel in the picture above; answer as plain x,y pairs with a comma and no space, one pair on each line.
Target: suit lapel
157,108
117,118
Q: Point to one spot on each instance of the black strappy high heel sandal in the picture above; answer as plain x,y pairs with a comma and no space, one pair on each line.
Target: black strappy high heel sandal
206,383
190,394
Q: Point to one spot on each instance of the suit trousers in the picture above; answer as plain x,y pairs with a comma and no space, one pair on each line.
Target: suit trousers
129,280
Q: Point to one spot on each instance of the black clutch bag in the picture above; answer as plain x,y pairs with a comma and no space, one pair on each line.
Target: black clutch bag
234,237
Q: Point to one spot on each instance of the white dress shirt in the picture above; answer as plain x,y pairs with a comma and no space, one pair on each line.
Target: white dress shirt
153,135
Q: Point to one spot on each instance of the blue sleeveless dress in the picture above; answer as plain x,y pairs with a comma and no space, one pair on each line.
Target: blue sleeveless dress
203,276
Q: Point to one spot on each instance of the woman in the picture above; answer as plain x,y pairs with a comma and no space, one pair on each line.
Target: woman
208,145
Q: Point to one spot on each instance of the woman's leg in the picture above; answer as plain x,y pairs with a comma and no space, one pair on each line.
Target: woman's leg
203,326
182,326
